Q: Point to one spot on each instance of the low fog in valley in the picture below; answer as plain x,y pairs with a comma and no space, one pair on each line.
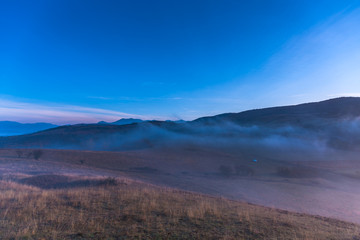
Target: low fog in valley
308,166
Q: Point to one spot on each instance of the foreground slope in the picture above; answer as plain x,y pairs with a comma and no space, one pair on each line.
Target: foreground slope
124,209
326,187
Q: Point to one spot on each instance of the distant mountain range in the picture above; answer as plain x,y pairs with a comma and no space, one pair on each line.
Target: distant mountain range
330,121
122,121
125,121
8,128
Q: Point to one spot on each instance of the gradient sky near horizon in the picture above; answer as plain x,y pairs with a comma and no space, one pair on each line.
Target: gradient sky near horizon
72,61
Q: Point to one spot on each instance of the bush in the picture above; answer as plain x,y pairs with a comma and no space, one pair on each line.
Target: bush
110,181
37,154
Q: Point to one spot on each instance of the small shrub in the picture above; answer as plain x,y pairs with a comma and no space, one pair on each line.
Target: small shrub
110,181
37,154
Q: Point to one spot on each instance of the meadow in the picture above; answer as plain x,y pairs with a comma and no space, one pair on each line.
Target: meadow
121,208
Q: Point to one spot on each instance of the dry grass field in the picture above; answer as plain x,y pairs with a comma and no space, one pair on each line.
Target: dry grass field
330,189
108,208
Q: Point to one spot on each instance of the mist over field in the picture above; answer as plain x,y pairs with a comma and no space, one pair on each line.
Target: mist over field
309,165
309,133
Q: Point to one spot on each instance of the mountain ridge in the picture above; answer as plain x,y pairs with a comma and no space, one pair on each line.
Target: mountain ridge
343,107
122,121
324,116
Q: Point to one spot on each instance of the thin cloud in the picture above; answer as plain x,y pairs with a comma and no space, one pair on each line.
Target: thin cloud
321,61
344,95
100,98
58,114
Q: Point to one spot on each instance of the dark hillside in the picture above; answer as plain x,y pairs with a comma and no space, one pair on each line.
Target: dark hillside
302,114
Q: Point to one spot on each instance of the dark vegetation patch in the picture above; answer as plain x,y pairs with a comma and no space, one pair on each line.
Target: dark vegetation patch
61,182
35,154
297,172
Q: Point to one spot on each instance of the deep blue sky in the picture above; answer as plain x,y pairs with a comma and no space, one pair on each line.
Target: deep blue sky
82,61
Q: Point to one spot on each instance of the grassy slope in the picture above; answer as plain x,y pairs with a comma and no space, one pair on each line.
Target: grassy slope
133,210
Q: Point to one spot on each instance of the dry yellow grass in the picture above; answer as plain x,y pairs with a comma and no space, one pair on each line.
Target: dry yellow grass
133,210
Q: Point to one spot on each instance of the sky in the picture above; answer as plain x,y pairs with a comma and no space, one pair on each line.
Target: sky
83,61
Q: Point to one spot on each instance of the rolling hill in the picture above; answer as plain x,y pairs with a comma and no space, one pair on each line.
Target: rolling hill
302,114
9,128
